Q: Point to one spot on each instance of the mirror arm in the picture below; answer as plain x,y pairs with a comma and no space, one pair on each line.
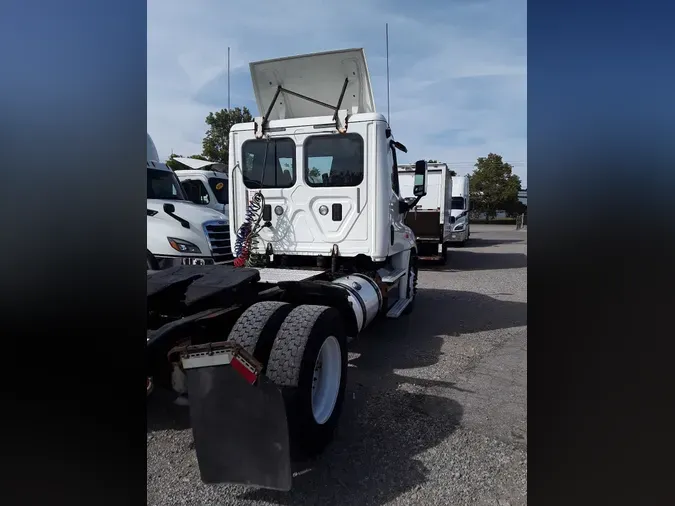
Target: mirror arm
404,207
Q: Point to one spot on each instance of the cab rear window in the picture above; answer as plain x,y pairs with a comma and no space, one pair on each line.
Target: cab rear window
334,160
268,163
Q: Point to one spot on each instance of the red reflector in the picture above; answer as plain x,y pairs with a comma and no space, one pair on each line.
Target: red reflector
244,371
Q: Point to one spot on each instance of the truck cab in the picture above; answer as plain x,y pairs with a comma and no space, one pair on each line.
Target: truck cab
205,183
180,232
329,181
316,174
461,204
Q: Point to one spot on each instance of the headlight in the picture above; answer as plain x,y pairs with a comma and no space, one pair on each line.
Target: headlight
183,246
459,228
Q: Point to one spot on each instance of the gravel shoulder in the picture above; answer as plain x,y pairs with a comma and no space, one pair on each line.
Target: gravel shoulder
436,409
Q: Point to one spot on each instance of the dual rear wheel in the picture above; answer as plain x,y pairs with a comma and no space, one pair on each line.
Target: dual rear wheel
303,350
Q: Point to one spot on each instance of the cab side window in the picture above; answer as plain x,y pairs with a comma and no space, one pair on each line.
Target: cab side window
196,191
391,160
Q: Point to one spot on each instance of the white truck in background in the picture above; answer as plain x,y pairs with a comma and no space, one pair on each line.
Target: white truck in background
461,205
205,183
180,232
431,219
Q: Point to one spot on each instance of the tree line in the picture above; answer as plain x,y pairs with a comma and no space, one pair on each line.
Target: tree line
216,143
493,185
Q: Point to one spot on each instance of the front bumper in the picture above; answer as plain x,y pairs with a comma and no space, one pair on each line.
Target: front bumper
170,261
458,236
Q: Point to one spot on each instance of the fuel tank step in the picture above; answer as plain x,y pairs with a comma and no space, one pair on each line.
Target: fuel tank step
398,308
391,276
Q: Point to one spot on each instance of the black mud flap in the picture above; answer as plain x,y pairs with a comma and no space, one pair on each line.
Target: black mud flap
240,429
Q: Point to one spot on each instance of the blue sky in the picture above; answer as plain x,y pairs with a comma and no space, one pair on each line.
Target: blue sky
458,70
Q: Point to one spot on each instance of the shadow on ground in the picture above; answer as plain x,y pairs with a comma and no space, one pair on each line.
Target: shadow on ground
387,419
477,242
463,260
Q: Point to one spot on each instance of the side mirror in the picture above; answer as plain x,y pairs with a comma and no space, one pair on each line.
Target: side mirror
420,182
400,146
452,220
169,208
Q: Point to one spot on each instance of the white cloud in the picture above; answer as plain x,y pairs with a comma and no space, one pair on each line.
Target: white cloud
458,70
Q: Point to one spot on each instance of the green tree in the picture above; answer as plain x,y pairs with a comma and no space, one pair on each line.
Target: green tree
494,186
172,163
314,173
216,143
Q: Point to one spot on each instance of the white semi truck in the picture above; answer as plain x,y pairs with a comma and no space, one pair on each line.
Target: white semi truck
205,183
431,220
180,232
316,206
461,205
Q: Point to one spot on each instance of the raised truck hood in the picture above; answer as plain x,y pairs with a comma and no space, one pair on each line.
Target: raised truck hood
320,76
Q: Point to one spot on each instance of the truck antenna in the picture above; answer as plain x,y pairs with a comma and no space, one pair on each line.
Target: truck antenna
228,78
387,41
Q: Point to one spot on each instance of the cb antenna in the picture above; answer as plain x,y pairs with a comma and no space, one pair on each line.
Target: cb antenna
387,41
228,78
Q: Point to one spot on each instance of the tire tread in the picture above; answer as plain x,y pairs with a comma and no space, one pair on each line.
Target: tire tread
289,346
261,320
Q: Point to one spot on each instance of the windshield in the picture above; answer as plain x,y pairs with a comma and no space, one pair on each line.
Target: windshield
164,185
457,202
219,188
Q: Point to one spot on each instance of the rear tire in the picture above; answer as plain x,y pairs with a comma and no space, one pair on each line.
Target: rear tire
257,327
308,333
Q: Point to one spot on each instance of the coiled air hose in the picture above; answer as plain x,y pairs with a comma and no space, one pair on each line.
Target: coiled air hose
248,232
250,228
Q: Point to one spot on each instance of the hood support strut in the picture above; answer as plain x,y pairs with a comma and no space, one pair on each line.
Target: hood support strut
340,117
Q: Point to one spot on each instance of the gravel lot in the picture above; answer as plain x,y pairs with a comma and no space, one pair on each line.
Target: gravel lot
436,410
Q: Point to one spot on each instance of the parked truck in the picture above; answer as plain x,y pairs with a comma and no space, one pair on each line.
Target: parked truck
205,183
431,219
317,208
180,232
461,205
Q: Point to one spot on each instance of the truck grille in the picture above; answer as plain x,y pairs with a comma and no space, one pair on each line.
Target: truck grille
218,233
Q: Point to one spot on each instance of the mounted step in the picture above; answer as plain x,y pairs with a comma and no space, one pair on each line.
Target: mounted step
398,308
392,276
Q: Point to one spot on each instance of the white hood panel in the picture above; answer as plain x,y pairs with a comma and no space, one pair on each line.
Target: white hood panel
319,76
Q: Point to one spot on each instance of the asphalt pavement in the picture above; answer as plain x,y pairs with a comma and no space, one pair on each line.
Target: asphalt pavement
436,408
